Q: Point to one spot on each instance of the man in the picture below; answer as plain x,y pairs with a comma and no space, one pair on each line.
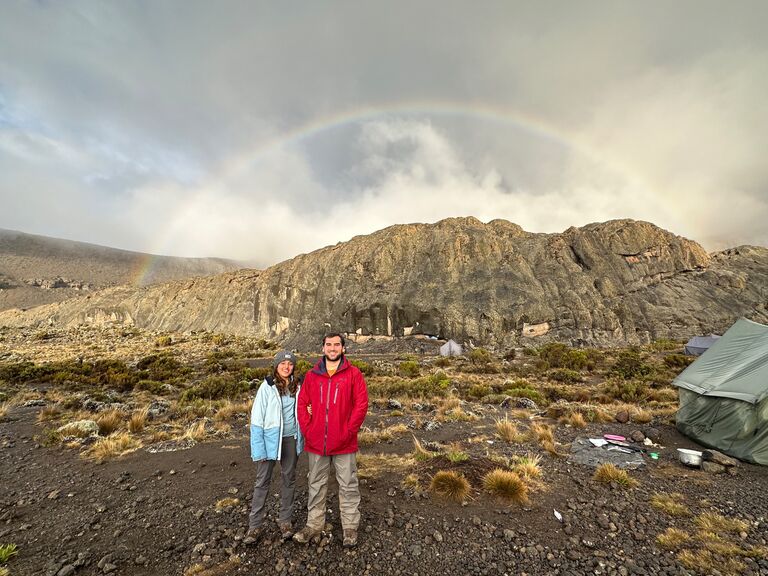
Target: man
332,405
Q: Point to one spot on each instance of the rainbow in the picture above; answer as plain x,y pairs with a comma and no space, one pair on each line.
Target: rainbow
242,161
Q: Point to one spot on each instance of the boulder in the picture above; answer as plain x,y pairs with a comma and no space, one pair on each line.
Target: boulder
79,428
718,458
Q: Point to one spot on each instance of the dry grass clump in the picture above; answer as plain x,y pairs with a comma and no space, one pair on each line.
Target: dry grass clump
528,466
509,432
610,474
671,504
642,416
542,432
217,570
113,446
138,420
372,465
196,431
575,419
159,436
367,437
673,538
420,453
4,408
457,415
713,522
412,481
520,414
227,503
451,485
232,408
109,422
702,560
48,413
507,485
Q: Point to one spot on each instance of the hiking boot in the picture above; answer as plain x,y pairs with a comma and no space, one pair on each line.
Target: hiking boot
350,538
253,536
286,530
306,534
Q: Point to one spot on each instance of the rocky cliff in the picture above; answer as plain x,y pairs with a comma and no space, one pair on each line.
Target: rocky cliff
609,283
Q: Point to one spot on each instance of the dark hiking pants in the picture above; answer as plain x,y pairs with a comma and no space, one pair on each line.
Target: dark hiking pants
264,470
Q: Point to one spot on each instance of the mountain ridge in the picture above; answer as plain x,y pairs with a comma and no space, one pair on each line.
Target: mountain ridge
611,283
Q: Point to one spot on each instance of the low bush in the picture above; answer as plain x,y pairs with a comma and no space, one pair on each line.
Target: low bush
409,369
480,356
526,392
565,375
215,388
665,345
364,367
626,390
630,365
160,367
479,390
678,361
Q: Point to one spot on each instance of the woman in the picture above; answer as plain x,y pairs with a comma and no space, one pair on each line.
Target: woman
275,435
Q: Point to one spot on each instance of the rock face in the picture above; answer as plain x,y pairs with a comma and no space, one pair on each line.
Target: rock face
619,282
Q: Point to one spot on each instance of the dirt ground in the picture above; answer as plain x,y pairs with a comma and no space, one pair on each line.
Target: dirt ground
156,513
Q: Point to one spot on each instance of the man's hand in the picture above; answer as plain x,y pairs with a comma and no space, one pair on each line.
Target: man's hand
309,409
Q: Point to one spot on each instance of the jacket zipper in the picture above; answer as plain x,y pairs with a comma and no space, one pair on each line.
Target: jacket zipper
280,439
327,403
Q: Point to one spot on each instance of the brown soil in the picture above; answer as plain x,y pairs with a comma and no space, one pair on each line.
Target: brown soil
156,513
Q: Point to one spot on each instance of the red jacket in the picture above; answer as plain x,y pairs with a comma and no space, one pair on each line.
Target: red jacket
339,405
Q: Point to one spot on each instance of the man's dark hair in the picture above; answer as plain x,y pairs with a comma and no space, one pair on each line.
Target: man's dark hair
334,335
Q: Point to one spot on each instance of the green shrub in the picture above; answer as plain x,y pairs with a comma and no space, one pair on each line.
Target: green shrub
665,345
678,360
443,362
626,390
364,367
630,365
437,384
558,355
302,367
215,388
565,375
480,356
409,369
530,393
160,367
152,386
479,390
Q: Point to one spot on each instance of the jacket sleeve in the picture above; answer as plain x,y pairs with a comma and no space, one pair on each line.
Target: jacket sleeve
301,406
360,405
258,411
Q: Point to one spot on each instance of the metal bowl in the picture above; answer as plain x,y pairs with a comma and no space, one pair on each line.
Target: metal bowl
689,457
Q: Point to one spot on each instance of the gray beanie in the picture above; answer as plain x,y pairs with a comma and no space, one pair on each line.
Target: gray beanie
283,356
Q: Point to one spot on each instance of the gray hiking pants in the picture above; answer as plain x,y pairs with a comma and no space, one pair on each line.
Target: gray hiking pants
264,470
349,490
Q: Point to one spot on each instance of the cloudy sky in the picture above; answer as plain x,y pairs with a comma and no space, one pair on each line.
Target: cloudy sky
259,130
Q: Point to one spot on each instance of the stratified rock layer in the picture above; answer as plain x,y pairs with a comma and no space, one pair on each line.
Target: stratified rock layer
619,282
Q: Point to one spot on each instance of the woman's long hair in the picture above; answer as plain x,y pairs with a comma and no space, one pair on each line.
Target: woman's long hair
286,387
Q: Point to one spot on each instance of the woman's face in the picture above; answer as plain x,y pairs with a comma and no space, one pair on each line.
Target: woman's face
284,369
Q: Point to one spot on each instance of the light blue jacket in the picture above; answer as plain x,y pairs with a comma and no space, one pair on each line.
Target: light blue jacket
267,423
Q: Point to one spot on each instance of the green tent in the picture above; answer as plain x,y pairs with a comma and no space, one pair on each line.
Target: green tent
724,394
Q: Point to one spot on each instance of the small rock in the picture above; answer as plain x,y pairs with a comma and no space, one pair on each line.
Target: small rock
718,458
712,467
622,417
393,404
637,436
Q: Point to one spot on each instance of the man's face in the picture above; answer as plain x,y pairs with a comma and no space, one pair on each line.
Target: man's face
332,348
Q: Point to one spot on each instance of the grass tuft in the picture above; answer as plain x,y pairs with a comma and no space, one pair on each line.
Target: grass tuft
138,420
4,408
227,503
671,504
508,431
455,454
7,551
543,433
368,437
610,474
196,431
109,422
528,466
451,485
575,419
507,485
113,446
713,522
673,538
420,453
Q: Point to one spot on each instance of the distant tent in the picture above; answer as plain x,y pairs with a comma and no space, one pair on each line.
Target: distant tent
697,345
724,394
450,348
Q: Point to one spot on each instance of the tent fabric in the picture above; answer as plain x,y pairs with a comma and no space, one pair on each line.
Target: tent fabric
450,348
697,345
724,394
